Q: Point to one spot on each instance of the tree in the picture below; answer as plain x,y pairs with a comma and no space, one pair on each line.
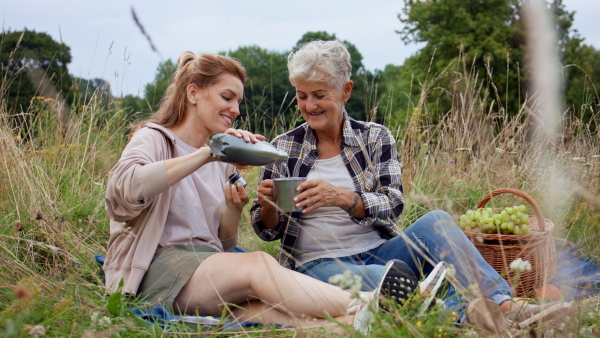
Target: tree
34,65
487,36
95,89
581,74
393,100
133,106
154,91
268,93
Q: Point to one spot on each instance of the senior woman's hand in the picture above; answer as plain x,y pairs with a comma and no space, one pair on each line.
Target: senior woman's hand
319,193
265,194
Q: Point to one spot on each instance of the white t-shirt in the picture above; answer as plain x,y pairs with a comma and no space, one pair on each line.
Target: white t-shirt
329,232
196,208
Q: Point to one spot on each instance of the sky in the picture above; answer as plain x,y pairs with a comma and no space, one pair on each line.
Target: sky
105,41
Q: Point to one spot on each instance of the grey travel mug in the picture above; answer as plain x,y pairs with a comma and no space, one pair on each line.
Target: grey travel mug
284,190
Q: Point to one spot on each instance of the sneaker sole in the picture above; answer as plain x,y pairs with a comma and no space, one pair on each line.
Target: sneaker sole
398,282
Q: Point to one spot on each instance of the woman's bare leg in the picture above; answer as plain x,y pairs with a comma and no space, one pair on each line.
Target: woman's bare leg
257,311
237,278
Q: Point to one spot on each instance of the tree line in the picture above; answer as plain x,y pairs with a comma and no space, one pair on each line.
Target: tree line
485,37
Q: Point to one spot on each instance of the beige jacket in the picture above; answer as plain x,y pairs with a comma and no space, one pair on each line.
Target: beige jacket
137,201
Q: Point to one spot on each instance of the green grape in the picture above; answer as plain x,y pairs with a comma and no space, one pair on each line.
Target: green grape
510,220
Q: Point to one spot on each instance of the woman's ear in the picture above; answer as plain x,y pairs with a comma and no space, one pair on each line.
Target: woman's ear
348,90
192,93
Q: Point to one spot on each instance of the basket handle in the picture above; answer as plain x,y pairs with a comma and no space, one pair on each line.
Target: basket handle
536,208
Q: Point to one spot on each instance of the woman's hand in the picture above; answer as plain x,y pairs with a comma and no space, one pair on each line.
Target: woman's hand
265,194
318,193
246,136
235,196
268,213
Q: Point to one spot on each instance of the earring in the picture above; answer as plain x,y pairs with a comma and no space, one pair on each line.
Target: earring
193,102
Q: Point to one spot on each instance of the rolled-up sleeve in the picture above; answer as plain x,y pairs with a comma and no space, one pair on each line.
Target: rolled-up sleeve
381,182
138,177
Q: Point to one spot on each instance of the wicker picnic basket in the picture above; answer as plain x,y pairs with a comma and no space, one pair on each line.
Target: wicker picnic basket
538,248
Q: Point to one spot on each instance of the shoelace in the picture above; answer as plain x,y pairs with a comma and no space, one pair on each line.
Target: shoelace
357,304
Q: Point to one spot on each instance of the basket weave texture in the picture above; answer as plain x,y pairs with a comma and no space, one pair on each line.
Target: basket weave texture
538,248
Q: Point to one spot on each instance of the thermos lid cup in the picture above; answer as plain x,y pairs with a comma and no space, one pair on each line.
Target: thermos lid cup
235,178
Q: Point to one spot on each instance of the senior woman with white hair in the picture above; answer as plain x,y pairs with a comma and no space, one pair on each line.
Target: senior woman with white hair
352,195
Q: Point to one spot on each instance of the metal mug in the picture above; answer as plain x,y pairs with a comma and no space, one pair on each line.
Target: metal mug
284,191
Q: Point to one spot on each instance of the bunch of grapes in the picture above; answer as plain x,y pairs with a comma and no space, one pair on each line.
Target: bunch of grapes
510,221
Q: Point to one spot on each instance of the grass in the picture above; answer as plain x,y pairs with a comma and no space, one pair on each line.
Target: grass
53,221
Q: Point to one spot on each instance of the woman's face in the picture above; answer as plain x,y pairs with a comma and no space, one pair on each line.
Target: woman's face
219,104
322,105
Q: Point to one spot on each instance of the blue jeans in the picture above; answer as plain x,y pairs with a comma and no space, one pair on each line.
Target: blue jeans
435,236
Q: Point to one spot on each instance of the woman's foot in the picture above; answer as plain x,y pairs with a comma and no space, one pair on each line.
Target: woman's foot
486,314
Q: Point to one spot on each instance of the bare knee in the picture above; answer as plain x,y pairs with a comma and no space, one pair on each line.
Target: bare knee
260,260
258,265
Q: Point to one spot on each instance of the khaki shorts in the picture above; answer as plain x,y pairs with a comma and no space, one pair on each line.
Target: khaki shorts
171,268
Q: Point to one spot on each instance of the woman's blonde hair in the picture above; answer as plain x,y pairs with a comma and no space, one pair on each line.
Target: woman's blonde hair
202,70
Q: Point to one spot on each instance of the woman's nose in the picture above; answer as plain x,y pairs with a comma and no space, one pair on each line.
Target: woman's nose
235,109
311,103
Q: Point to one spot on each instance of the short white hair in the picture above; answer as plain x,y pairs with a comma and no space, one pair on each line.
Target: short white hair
321,61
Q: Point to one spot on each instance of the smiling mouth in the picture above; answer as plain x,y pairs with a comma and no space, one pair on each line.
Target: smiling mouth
315,114
227,118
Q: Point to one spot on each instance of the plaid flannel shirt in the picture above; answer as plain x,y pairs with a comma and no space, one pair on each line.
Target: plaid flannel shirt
370,156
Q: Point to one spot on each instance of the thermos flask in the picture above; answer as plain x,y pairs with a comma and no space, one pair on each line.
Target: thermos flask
232,149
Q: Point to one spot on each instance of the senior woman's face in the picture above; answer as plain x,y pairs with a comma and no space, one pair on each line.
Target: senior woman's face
321,105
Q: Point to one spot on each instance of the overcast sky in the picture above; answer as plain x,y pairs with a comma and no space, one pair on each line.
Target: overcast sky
106,43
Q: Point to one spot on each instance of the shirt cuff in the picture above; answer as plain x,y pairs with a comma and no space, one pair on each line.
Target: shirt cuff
230,243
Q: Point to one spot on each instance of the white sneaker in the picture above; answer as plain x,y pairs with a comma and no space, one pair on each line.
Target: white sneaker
431,285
